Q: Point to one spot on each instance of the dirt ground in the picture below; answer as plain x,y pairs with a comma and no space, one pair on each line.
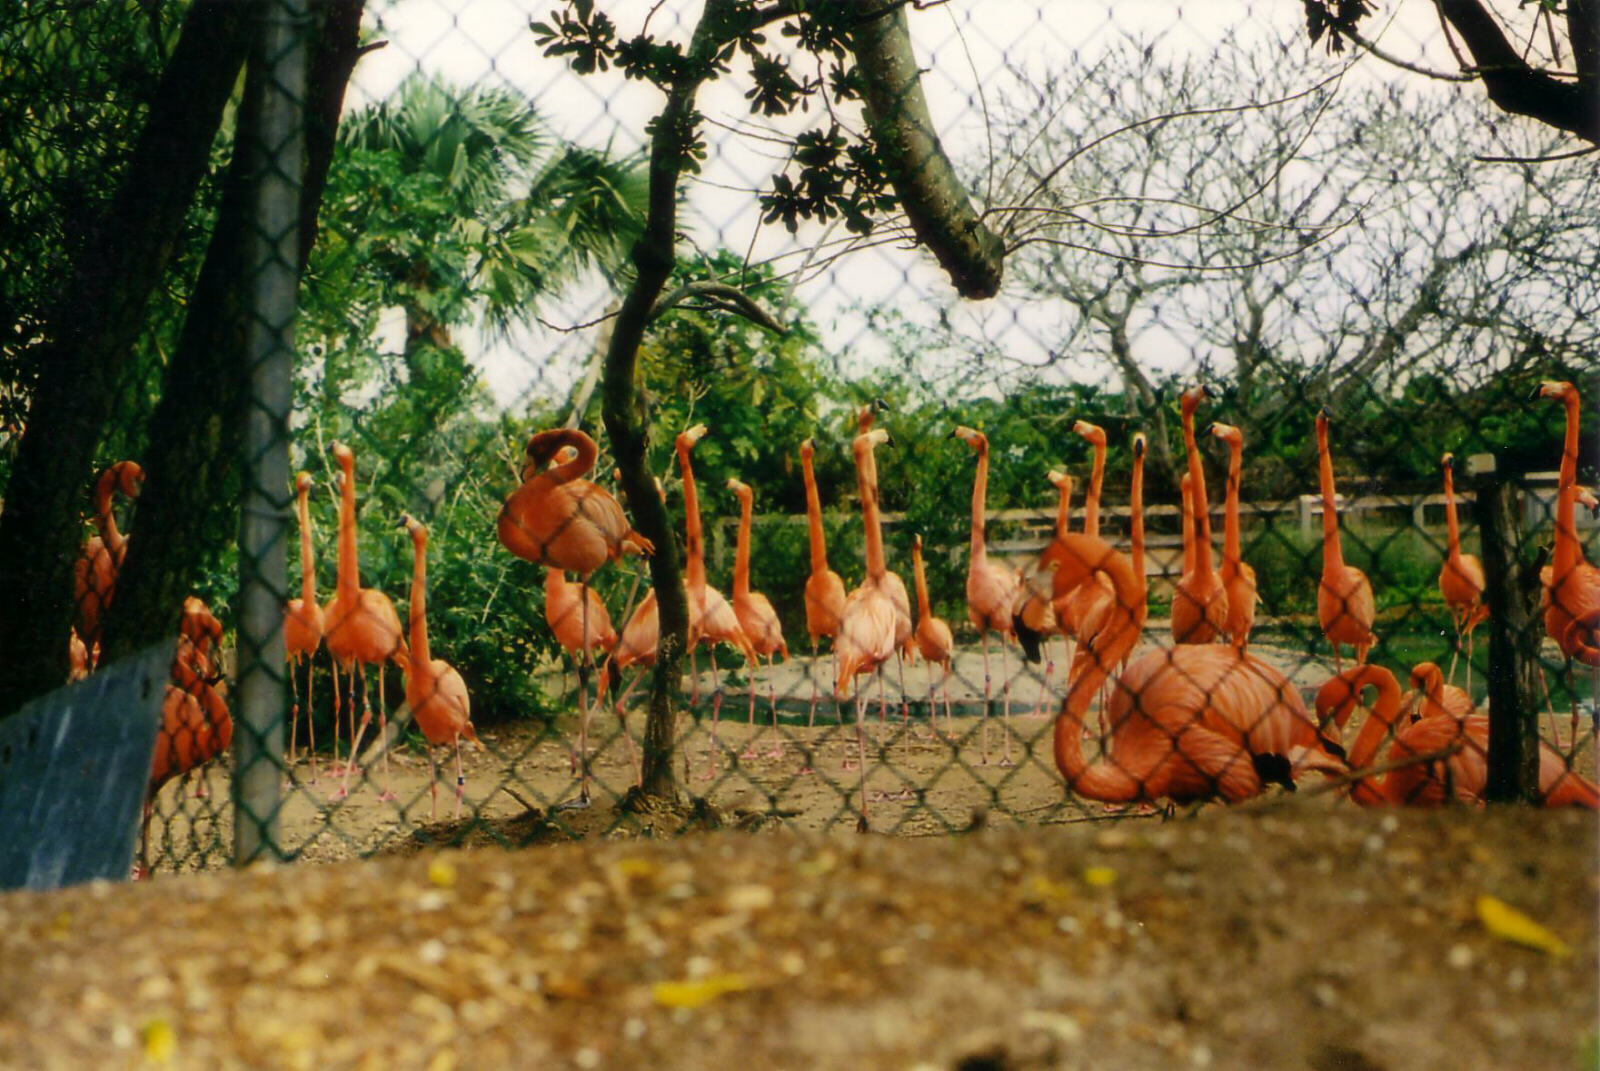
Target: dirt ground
1283,934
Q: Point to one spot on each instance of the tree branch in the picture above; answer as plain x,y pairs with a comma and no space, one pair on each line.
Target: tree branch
725,297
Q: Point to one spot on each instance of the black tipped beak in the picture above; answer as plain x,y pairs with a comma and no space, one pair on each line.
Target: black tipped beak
1537,391
404,520
1207,392
952,434
888,440
1211,427
1327,414
1138,448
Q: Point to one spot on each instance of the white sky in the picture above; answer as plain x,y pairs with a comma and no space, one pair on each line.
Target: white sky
964,46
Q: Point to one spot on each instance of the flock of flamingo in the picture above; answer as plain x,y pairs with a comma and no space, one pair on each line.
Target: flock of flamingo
1203,718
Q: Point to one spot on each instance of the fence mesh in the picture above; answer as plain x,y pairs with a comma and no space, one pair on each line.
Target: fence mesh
1186,511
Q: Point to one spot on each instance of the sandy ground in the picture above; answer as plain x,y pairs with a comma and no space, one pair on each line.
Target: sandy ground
1291,933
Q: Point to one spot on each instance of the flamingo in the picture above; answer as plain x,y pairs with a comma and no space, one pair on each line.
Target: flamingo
1460,577
435,692
1461,775
824,588
893,586
758,620
1200,602
581,628
935,642
199,632
196,727
94,573
1572,612
1104,613
1437,698
302,628
866,637
558,519
1074,608
361,628
711,617
991,590
1238,577
1189,723
1344,594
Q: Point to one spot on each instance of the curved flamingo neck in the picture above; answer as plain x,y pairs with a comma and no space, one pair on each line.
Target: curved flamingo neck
1332,555
587,454
1091,501
105,517
819,542
871,521
921,579
1232,552
695,551
1385,710
741,551
349,570
420,656
1565,555
308,566
980,495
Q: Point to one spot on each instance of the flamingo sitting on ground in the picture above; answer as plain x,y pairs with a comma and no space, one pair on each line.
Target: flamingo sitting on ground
1200,601
866,638
1572,610
1460,577
1238,578
824,587
1171,737
1437,698
361,629
1345,606
991,591
196,727
94,573
935,642
758,620
435,692
1460,774
302,629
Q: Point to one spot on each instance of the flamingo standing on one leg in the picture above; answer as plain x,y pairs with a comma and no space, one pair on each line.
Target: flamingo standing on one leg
711,616
1238,578
1460,577
991,590
581,628
824,587
559,519
94,573
1572,613
1345,606
302,630
935,642
360,628
866,637
435,692
758,620
1200,602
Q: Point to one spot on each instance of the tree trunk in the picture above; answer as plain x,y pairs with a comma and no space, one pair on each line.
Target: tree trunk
934,200
92,332
1515,631
193,481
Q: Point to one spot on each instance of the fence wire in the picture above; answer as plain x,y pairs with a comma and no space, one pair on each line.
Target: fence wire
1187,511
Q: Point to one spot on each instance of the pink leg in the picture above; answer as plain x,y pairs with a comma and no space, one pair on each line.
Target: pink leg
983,759
749,751
861,755
772,706
900,669
811,671
294,706
311,715
383,734
433,785
343,791
1005,688
461,780
716,713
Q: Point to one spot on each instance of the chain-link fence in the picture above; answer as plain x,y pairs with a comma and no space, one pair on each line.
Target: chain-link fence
1053,412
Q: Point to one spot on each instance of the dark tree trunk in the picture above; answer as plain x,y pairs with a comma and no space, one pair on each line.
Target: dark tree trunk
193,464
1515,631
92,332
1515,86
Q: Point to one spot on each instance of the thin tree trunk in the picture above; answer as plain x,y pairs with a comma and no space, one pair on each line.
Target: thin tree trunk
1515,631
193,482
93,331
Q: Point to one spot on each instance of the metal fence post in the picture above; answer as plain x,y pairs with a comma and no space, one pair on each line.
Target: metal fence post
263,568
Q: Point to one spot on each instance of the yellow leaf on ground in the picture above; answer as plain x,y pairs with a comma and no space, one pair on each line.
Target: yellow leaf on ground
1509,924
1100,876
442,873
160,1043
693,994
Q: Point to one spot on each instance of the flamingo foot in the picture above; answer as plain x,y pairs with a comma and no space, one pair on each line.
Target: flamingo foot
338,794
774,753
387,796
749,753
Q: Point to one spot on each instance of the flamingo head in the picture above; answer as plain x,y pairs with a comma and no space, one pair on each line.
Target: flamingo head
865,415
344,456
1094,434
864,443
1585,496
916,542
1228,433
1190,399
1338,697
807,448
1324,415
972,437
1061,481
564,455
1428,679
740,490
419,531
1448,461
302,482
689,436
1555,388
130,478
1139,444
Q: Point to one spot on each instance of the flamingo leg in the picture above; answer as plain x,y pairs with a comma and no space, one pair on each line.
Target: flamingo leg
343,791
383,736
772,706
294,706
983,759
461,779
433,786
861,755
1455,650
311,714
900,668
333,763
749,752
694,678
944,686
584,668
716,713
811,671
1005,688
